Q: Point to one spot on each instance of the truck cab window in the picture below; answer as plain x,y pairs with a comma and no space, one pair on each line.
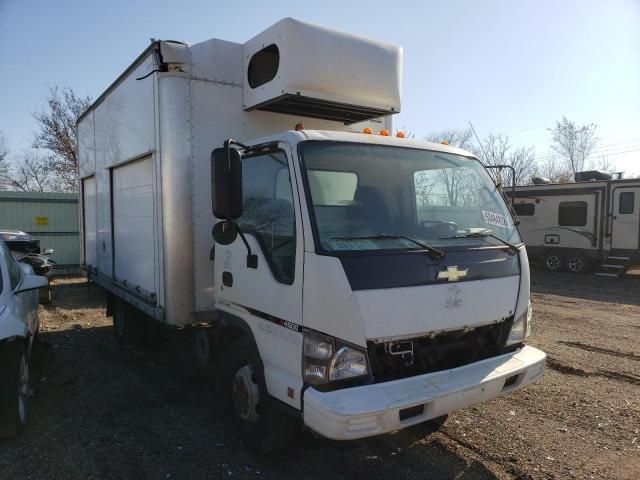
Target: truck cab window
268,211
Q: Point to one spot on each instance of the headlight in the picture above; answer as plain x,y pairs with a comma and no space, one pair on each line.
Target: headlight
322,362
521,328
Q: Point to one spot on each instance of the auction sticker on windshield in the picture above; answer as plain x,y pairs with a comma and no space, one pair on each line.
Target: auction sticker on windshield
496,219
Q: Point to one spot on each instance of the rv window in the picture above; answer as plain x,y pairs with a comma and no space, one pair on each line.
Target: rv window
626,203
525,209
572,214
263,66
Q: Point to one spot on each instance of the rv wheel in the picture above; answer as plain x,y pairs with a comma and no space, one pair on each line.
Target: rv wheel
261,425
553,262
576,263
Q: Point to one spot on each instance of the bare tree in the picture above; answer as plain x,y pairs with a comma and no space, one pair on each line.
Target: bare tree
554,169
605,164
32,174
574,143
57,133
5,176
456,138
497,150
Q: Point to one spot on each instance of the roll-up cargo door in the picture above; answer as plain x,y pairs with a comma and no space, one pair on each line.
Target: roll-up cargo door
89,221
133,226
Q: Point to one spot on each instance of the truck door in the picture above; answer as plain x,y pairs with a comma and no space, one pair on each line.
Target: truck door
625,220
269,297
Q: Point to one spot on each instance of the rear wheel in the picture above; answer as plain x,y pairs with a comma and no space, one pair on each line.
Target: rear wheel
577,263
14,388
261,425
553,262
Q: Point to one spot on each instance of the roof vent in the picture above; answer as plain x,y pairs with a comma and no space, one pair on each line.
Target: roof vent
540,181
591,175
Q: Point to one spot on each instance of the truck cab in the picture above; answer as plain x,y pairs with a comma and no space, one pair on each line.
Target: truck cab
381,281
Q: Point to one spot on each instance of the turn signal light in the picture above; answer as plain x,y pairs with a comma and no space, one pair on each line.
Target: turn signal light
367,130
384,133
400,134
444,142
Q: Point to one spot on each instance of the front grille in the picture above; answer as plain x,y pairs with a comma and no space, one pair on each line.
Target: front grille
440,352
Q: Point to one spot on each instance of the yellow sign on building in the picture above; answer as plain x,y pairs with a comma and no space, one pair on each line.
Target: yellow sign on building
42,220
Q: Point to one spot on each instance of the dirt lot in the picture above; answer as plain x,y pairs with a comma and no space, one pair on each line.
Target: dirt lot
99,412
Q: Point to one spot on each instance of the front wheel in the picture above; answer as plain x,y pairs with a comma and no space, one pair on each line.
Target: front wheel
261,425
14,388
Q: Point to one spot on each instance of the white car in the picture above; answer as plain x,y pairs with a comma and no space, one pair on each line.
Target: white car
18,328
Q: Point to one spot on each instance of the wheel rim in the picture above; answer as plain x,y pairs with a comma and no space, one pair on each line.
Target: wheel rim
245,394
576,264
553,262
23,388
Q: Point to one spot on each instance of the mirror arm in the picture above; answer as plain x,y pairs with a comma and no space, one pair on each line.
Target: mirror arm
252,259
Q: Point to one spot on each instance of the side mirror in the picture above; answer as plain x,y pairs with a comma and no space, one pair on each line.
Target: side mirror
32,282
226,183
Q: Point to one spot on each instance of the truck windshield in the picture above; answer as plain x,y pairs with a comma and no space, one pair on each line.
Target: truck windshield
375,197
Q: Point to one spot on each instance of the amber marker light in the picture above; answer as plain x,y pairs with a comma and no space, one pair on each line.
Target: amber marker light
367,130
444,142
384,133
400,134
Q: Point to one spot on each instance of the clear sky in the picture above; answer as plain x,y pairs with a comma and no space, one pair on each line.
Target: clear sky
508,66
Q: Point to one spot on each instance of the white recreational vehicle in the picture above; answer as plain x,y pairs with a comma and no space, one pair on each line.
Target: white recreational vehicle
344,286
592,224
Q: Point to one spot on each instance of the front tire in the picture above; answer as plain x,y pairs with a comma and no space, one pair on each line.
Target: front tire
261,425
14,388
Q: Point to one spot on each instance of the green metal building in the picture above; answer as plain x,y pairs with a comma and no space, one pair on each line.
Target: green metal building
50,217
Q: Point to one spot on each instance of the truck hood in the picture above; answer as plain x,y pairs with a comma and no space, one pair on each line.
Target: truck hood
376,298
392,314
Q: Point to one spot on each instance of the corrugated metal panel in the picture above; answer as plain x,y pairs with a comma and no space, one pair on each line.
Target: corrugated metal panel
50,217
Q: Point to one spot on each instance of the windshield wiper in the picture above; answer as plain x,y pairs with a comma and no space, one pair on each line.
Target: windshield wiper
435,253
484,234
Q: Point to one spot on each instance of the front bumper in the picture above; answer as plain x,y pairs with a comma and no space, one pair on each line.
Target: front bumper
374,409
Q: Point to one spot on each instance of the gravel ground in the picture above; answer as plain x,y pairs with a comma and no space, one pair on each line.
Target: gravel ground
99,412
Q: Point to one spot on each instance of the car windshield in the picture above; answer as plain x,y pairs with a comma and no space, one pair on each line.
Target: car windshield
375,197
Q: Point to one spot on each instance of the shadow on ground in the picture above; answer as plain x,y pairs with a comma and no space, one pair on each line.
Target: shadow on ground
588,286
100,412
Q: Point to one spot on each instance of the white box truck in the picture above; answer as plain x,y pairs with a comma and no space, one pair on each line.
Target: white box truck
355,281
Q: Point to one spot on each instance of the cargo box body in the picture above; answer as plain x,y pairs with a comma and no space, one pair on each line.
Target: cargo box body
144,150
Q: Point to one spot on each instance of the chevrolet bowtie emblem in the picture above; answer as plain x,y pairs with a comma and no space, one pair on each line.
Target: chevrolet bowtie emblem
452,274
